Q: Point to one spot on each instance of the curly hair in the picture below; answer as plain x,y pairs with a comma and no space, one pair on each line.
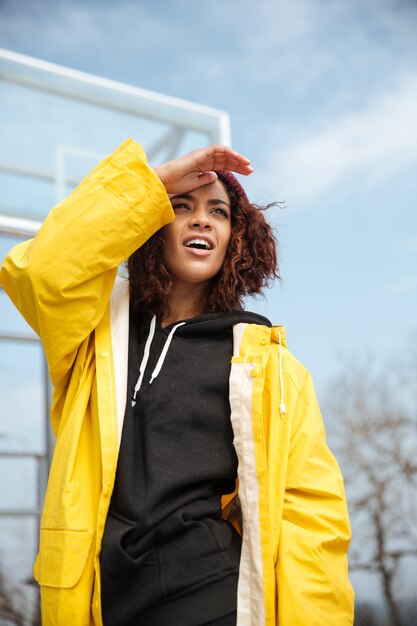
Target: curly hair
250,264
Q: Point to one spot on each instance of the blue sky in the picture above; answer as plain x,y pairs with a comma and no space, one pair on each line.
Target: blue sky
322,96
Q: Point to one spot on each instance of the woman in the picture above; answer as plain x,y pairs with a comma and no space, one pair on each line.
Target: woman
143,522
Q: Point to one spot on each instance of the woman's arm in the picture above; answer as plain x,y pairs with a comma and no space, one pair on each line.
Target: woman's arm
62,279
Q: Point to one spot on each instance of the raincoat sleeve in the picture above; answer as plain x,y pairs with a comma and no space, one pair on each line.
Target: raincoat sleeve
62,279
312,573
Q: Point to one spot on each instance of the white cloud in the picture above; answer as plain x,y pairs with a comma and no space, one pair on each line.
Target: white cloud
410,245
403,286
370,145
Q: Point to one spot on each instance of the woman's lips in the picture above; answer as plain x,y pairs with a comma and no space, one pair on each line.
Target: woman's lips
199,244
198,251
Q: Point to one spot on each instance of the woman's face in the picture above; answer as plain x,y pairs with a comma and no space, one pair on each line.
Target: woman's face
196,241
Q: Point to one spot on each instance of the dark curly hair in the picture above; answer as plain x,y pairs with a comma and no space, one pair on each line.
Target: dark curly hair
250,264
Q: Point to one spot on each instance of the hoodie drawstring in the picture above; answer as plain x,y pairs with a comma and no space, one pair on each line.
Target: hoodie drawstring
144,358
282,407
164,352
146,352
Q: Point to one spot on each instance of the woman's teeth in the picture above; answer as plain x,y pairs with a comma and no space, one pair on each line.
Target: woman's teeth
198,243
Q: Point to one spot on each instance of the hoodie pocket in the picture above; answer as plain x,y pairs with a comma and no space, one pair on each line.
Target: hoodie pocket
62,557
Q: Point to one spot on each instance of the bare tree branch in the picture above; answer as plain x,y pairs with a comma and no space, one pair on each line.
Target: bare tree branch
374,435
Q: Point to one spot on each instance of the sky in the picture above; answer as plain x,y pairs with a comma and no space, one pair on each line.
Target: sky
322,97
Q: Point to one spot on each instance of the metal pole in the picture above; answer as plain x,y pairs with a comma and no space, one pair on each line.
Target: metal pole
102,92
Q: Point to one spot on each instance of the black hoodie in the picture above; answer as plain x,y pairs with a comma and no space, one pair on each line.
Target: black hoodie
165,539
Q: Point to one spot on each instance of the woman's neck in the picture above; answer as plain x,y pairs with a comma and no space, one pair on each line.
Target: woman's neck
185,302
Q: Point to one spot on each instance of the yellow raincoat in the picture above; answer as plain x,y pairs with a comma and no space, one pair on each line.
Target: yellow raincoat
291,500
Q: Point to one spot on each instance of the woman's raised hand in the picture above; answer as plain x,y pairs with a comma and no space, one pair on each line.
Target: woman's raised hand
195,169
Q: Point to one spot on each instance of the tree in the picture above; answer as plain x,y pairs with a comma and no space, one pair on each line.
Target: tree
10,602
374,436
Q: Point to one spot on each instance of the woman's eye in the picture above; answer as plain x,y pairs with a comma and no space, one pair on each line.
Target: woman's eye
181,205
221,211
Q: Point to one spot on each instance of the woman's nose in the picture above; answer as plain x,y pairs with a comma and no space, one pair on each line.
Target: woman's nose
200,219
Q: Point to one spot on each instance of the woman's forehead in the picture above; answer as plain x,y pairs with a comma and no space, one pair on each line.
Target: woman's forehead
215,190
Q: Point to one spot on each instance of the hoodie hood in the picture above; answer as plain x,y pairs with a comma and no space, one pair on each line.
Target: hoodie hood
192,328
212,323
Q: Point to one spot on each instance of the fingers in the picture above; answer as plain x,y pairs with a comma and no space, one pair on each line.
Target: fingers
195,169
218,157
204,179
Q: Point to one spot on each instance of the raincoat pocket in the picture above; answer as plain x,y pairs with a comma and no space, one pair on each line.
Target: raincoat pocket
62,557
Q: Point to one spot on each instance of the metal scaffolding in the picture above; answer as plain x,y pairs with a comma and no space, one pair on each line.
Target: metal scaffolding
178,116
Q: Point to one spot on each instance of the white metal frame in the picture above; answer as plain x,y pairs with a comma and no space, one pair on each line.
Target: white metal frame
181,116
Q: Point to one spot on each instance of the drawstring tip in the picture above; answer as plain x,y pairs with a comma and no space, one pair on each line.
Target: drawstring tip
133,402
282,410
